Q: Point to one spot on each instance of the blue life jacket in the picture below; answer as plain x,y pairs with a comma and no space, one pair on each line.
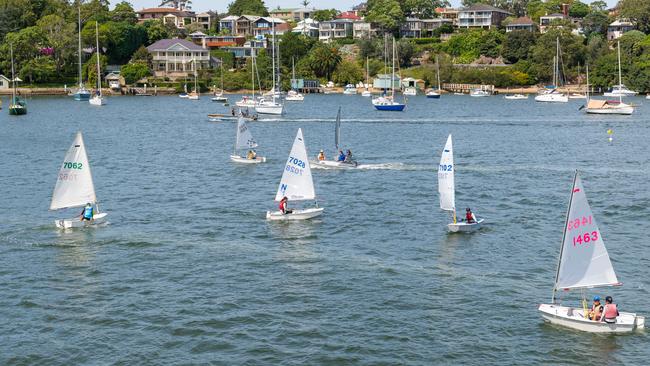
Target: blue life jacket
342,157
88,212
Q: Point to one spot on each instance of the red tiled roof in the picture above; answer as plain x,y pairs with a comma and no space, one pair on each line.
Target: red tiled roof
348,15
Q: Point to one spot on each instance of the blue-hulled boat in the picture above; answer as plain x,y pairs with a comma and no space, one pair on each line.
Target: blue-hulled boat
388,103
81,93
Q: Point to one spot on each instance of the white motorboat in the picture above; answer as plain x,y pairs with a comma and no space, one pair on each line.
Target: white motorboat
647,96
335,164
366,93
273,107
294,96
97,99
246,102
553,96
620,90
577,96
516,96
597,106
296,184
410,91
350,89
479,93
447,191
74,187
583,264
244,141
433,94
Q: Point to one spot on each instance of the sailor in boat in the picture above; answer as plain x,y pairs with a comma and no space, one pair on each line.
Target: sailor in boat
87,213
321,156
469,216
610,312
232,111
283,206
251,155
341,156
348,157
596,309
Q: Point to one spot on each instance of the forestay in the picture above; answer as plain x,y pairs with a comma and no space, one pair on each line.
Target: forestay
296,183
446,178
245,139
584,261
74,185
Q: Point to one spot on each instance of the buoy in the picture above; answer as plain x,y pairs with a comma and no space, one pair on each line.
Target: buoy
610,133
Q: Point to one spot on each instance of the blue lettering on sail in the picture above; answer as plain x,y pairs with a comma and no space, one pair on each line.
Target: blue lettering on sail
283,188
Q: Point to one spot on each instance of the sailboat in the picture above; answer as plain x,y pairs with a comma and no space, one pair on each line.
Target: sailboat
294,95
389,103
245,141
98,98
17,105
584,263
194,95
447,191
247,101
82,93
296,184
334,164
596,106
551,94
218,94
74,186
366,92
272,106
435,94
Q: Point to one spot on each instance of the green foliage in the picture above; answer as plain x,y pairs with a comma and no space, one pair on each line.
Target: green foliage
405,52
348,72
124,12
156,31
424,9
323,60
142,55
89,69
572,56
324,14
637,11
227,57
385,13
469,45
517,45
247,7
134,71
579,9
38,70
595,23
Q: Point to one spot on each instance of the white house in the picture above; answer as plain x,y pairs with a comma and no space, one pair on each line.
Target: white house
617,28
331,29
307,27
481,16
5,83
178,57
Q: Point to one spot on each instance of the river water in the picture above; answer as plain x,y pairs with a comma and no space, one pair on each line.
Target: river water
189,272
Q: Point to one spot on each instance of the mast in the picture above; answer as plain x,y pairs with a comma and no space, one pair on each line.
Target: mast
620,81
438,72
392,79
587,93
253,71
273,56
293,71
221,75
367,73
337,130
79,26
13,76
566,223
99,80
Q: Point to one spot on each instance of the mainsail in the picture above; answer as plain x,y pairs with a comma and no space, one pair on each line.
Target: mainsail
446,178
296,183
584,261
74,185
245,139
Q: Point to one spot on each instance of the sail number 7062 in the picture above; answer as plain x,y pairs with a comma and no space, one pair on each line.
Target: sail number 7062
445,167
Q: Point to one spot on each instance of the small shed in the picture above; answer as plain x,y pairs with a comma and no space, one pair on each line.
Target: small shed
413,83
115,80
5,82
382,81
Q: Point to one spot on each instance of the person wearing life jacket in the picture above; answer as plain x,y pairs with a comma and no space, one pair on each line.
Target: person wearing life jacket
348,156
610,313
596,309
283,206
87,213
341,156
321,156
469,216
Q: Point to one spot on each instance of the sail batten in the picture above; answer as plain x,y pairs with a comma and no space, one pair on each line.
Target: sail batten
74,186
584,261
297,183
446,170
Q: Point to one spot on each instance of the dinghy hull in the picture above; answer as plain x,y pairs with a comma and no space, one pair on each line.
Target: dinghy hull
330,164
574,318
73,223
244,160
295,215
464,227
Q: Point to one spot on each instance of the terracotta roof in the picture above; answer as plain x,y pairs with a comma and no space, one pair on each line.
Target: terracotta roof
522,21
348,15
159,10
484,7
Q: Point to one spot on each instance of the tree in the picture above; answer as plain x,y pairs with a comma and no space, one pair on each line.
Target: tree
405,52
424,9
385,13
637,11
38,70
60,36
294,46
247,7
124,12
572,54
347,72
121,40
324,15
89,69
156,30
194,27
579,9
304,3
517,45
598,5
324,59
465,46
142,55
133,72
595,23
490,43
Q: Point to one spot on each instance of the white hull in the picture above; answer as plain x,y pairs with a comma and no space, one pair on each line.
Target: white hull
193,97
410,92
479,94
244,160
626,110
552,98
647,96
366,93
516,97
219,99
574,318
295,215
97,100
333,164
620,94
246,103
577,96
295,98
464,227
350,91
275,109
98,219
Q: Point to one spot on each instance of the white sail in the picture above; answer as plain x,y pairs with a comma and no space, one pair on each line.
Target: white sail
74,185
245,139
296,183
584,261
446,178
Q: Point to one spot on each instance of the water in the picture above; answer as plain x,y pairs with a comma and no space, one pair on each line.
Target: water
189,271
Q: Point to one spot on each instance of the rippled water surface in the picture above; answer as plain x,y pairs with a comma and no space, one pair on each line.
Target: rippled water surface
189,272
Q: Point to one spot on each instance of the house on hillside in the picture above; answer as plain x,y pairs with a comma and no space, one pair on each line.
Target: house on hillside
364,30
429,25
449,13
545,21
334,29
264,26
5,82
302,14
228,23
522,23
178,58
481,16
282,13
618,28
244,25
208,20
411,28
307,27
349,15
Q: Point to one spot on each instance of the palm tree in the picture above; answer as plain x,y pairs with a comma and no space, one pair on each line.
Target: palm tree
305,3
